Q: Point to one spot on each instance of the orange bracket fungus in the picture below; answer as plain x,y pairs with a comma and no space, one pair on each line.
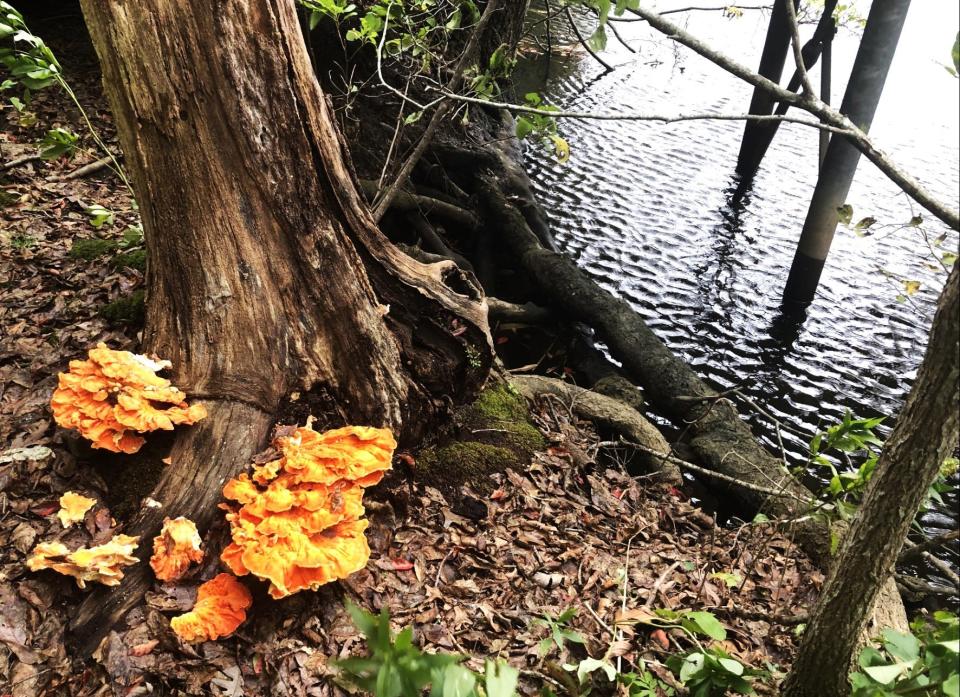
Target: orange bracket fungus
115,395
100,564
221,607
73,507
297,522
177,545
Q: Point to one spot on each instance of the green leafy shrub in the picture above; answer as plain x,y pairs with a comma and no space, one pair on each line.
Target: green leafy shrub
925,661
397,668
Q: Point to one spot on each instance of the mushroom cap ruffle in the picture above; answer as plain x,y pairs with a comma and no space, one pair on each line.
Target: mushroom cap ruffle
355,453
100,564
114,395
221,607
73,507
175,548
293,560
299,520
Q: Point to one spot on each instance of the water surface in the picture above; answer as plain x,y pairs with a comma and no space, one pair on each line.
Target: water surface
648,211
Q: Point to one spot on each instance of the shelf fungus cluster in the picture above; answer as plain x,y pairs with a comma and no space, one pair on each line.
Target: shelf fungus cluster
297,520
114,396
221,607
101,564
175,548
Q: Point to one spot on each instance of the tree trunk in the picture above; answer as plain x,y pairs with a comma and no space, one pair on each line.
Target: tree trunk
860,101
266,273
926,432
774,56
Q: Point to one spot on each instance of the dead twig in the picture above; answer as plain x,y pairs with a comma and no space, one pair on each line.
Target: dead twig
86,170
19,162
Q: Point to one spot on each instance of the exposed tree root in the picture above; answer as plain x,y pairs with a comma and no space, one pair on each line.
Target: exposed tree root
610,413
528,313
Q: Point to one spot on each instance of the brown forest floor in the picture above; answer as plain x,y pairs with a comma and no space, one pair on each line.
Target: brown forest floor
469,575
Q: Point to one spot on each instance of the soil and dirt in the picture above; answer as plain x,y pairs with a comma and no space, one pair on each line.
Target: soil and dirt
545,515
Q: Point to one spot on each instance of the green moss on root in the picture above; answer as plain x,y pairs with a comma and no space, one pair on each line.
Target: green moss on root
137,259
492,434
460,462
500,415
125,310
88,250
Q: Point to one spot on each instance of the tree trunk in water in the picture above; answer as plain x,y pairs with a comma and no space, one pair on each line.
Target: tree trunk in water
774,56
926,432
860,101
266,272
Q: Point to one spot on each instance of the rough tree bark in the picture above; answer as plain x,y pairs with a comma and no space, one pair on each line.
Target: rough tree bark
926,432
266,273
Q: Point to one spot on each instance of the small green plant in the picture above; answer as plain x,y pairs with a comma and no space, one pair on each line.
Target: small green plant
333,9
706,671
925,661
31,64
850,436
58,142
559,631
542,128
857,438
644,684
98,215
21,242
397,668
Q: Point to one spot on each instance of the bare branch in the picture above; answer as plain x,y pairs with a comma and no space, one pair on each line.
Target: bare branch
797,49
639,116
912,551
583,42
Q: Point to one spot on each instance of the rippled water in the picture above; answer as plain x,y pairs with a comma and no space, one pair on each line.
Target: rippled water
646,209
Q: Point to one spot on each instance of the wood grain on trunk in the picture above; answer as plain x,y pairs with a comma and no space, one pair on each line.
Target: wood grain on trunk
266,273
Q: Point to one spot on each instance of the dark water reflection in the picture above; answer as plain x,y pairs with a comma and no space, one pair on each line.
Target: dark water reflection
651,211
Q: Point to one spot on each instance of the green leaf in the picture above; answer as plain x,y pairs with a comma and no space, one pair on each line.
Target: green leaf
693,665
705,623
730,580
524,127
904,646
58,142
845,213
951,686
955,54
598,39
886,674
731,666
458,681
589,665
500,679
99,216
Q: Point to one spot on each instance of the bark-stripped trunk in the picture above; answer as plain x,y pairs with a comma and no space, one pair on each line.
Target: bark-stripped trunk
266,272
926,433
